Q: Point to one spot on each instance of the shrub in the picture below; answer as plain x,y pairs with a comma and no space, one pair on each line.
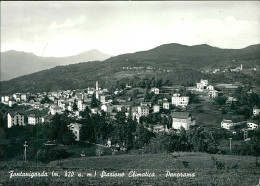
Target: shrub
218,164
99,151
47,155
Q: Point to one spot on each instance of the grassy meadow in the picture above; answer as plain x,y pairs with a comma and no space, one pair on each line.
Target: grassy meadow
226,170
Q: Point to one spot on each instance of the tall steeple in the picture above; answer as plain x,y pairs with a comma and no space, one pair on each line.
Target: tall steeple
97,90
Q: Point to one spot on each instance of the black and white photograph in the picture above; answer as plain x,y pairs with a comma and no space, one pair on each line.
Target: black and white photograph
136,93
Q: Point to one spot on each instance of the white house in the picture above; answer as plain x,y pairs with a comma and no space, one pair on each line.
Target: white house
36,105
210,87
107,108
156,108
256,111
69,108
90,91
200,87
34,119
213,93
178,100
2,99
136,115
252,126
166,105
227,124
143,110
7,99
79,96
24,97
52,98
15,118
75,128
61,103
55,109
17,97
81,105
204,82
155,90
181,119
94,110
104,98
11,102
231,100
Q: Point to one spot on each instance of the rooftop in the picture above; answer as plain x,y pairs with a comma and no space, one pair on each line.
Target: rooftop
180,115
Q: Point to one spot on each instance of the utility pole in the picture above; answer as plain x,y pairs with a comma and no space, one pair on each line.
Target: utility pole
230,146
25,146
245,134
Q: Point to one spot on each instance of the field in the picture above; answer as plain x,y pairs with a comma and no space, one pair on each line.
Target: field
207,112
234,170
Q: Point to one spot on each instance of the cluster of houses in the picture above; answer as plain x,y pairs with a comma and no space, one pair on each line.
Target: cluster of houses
203,86
217,70
146,68
250,124
61,101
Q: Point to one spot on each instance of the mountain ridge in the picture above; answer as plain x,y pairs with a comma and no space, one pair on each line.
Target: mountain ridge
31,63
181,60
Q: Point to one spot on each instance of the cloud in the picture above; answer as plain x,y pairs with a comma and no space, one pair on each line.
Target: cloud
68,23
122,27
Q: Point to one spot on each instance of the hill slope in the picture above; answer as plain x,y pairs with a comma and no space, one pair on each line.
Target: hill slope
15,64
185,63
238,170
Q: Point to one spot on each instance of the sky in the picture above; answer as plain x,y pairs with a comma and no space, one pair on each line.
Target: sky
69,28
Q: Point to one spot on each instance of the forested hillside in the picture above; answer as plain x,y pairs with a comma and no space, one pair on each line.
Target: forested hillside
178,63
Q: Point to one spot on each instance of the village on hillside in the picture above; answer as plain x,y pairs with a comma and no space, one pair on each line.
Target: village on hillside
161,109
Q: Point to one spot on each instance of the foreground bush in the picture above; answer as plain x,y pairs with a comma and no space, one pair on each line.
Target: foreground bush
50,154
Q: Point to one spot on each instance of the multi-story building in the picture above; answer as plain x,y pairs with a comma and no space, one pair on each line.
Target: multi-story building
181,119
204,82
104,98
136,116
210,87
178,100
52,98
11,102
90,91
36,105
166,104
15,118
143,110
7,99
256,111
231,100
24,97
200,87
155,90
156,108
54,109
227,124
252,125
81,105
33,119
107,108
213,93
2,99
